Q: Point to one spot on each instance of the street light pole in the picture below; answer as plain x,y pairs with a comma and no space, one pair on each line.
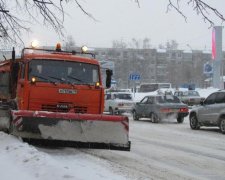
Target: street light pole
217,55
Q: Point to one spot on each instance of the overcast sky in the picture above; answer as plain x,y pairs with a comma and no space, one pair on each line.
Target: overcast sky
123,19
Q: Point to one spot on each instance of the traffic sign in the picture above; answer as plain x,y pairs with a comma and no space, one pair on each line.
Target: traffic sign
208,69
135,77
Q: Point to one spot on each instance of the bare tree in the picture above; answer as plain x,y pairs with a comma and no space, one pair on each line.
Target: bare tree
171,45
119,44
200,7
51,12
135,43
47,12
161,46
140,43
146,43
69,43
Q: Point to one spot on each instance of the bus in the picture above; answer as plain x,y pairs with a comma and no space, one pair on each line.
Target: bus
151,87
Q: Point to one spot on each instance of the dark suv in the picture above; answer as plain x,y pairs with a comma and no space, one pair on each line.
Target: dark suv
211,112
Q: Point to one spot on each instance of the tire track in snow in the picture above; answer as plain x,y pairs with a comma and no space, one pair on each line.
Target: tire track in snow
183,149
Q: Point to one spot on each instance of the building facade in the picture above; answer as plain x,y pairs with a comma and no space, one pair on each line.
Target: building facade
174,66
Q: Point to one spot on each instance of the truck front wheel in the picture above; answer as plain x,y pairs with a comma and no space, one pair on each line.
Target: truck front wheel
111,111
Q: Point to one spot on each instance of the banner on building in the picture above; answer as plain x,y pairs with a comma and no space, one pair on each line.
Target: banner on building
213,44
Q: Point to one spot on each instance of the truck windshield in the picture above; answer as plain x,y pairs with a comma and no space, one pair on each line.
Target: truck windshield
4,86
64,71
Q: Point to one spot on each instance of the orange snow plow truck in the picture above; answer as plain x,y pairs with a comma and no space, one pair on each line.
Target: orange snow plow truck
55,96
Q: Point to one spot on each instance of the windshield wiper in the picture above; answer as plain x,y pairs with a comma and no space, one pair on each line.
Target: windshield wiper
75,78
43,78
79,80
62,80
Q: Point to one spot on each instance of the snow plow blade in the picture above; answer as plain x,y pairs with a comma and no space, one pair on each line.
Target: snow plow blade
4,119
94,131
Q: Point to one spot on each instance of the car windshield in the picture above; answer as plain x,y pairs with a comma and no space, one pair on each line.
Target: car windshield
123,96
154,86
167,99
149,87
191,93
63,71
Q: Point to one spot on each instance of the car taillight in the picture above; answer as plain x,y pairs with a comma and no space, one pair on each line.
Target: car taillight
120,104
165,110
183,109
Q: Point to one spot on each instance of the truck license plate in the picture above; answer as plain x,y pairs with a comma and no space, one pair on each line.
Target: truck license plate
67,91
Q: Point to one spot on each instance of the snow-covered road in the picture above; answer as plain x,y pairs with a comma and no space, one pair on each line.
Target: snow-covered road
159,151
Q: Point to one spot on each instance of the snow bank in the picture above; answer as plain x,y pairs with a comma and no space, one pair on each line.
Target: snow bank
203,93
21,161
206,92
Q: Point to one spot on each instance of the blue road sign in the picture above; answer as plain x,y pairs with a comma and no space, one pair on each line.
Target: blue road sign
134,77
208,69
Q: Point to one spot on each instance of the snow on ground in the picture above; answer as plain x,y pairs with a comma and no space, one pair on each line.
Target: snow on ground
203,93
158,151
22,161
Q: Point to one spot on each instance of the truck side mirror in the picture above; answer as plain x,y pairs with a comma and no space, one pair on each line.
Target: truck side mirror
109,74
21,81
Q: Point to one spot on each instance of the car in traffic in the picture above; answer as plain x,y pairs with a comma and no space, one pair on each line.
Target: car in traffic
190,97
211,112
159,107
118,102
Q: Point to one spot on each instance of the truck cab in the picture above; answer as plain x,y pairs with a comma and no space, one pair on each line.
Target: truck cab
59,82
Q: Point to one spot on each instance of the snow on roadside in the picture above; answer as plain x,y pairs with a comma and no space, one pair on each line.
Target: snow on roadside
203,93
206,92
19,160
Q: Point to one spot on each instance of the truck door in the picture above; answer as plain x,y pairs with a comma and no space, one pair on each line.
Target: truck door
4,85
20,86
107,99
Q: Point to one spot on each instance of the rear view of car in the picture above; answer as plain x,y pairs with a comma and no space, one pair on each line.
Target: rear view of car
190,97
159,107
118,102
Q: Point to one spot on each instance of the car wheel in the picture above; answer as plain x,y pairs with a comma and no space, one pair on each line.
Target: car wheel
111,111
135,116
194,122
222,126
154,118
180,119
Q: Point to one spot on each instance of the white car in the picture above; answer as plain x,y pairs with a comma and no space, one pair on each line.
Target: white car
118,102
